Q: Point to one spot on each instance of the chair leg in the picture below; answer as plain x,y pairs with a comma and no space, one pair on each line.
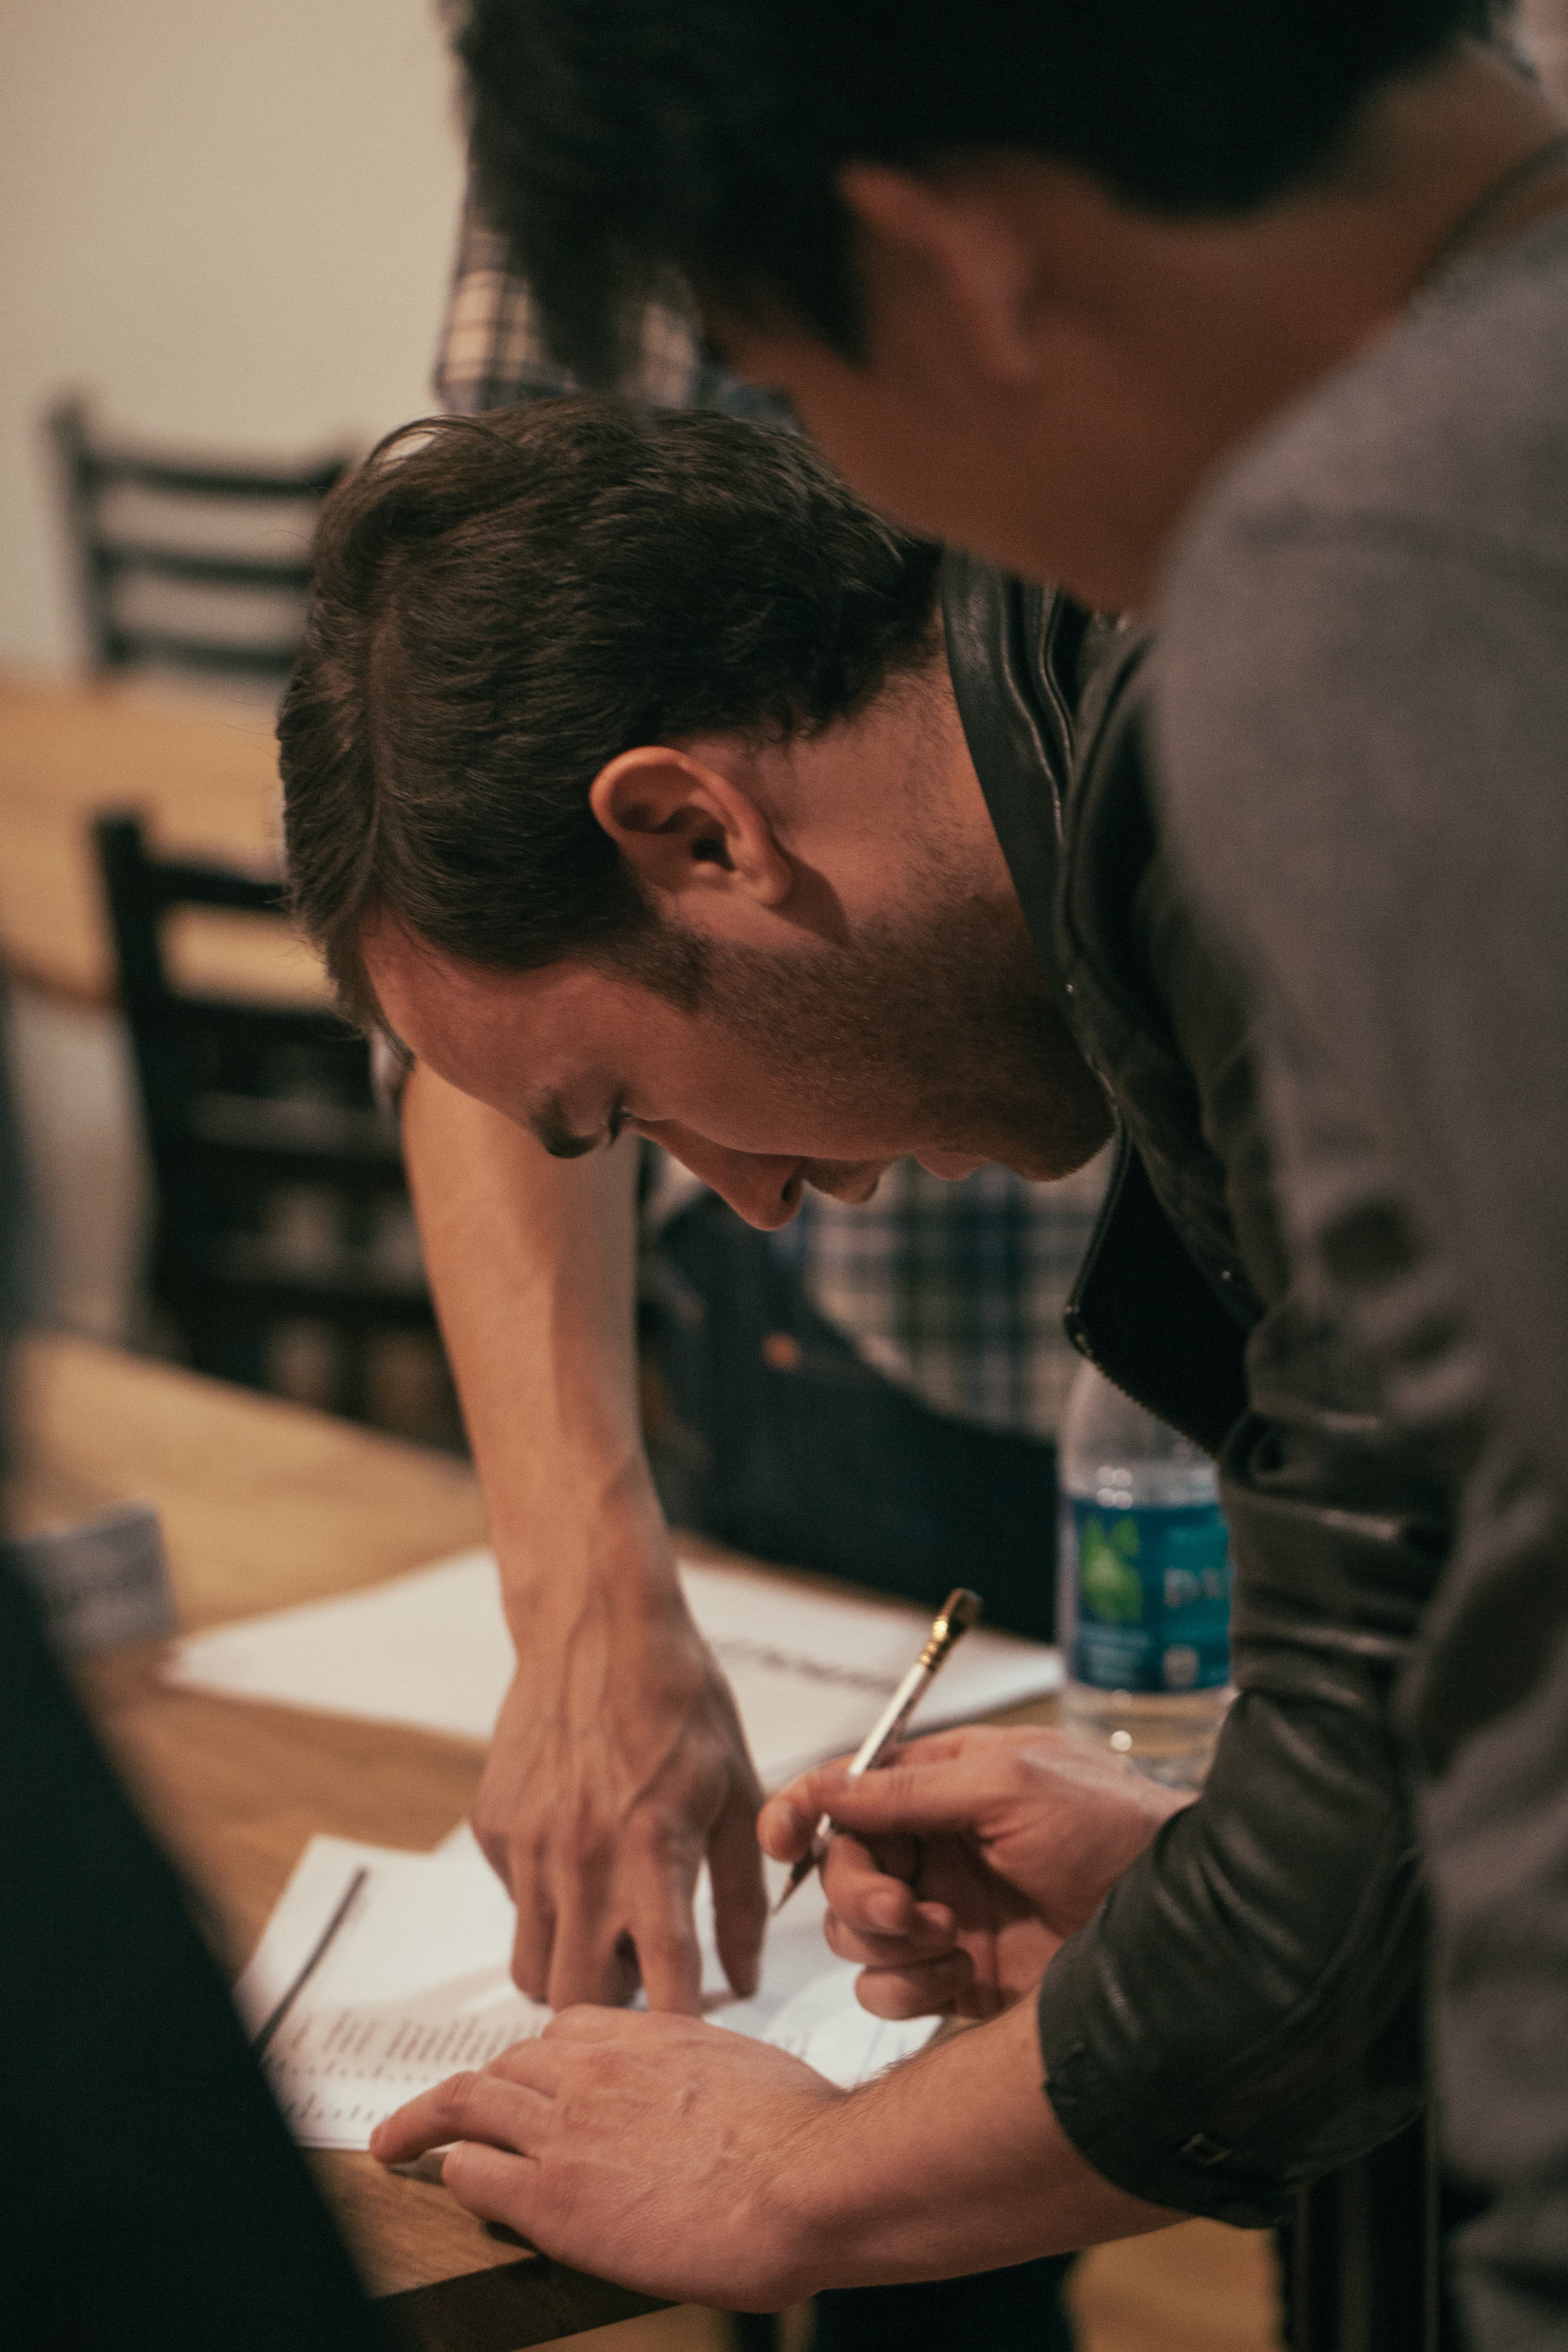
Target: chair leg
754,2331
1362,2257
225,1350
350,1384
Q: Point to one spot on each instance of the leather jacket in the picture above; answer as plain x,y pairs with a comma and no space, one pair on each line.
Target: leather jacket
1242,2015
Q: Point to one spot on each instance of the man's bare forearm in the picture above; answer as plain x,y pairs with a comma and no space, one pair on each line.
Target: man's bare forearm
532,1262
696,2163
955,2162
618,1763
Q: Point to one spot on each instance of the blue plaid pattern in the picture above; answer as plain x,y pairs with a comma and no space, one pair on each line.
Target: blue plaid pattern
954,1292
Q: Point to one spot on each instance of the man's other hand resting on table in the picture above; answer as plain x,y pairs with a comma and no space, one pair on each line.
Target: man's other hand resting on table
691,2161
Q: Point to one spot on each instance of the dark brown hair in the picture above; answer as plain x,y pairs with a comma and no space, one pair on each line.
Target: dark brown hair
502,605
617,141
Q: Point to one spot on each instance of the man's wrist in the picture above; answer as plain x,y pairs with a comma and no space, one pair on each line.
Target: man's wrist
811,2196
600,1542
851,2179
950,2162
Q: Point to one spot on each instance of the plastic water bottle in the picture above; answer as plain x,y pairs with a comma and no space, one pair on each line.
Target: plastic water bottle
1143,1585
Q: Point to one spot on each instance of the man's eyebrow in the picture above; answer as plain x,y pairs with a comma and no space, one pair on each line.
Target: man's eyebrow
549,1123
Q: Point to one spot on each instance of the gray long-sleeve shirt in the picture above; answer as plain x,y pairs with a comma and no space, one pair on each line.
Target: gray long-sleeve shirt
1363,744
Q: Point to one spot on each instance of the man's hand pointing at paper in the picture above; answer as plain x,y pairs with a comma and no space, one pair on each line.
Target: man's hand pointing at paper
618,1764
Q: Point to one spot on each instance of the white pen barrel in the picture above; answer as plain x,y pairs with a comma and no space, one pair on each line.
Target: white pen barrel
960,1610
882,1733
892,1719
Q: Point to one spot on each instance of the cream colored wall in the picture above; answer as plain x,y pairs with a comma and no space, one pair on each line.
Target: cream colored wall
230,219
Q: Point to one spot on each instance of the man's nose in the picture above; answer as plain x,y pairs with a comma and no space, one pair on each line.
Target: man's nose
763,1189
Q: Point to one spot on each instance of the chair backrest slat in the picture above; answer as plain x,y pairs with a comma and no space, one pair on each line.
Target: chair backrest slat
249,1106
122,571
206,571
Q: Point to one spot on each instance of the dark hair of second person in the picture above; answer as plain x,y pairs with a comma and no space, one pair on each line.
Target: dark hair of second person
614,138
501,607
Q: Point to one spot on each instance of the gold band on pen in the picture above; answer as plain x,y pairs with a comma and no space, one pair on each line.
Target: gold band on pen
958,1613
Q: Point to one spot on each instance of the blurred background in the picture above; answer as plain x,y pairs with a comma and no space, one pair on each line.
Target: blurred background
229,234
229,226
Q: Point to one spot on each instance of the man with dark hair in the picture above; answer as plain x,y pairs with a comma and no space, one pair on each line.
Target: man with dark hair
718,581
1255,318
829,931
871,1391
613,139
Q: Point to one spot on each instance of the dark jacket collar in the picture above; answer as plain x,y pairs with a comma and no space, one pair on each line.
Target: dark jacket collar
1050,701
1012,652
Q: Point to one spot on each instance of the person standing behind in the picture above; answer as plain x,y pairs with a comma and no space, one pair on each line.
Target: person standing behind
1254,318
872,1392
730,848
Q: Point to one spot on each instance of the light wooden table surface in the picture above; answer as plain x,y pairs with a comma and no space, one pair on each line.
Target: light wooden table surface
204,776
265,1505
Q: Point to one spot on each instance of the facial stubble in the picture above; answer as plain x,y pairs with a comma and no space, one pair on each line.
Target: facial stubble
938,1027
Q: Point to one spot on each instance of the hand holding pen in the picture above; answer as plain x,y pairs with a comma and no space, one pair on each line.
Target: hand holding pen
958,1611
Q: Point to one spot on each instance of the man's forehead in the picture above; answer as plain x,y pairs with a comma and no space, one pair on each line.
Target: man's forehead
429,985
545,1047
455,1016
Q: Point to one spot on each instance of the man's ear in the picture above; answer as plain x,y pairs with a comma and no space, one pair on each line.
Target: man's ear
682,826
955,232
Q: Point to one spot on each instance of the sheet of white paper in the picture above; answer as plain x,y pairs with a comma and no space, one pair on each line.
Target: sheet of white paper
810,1669
415,1985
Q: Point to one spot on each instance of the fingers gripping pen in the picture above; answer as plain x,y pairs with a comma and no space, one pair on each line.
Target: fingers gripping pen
958,1611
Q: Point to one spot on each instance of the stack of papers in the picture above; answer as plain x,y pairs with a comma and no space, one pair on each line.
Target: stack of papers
381,1972
811,1670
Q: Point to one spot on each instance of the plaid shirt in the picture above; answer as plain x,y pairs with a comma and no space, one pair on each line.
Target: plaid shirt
494,351
954,1292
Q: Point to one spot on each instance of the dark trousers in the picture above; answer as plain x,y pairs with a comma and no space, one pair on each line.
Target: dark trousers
782,1441
785,1444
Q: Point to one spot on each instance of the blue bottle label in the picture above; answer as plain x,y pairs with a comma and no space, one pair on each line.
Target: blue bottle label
1153,1589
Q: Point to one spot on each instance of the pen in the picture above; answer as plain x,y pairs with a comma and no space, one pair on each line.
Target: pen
312,1962
958,1611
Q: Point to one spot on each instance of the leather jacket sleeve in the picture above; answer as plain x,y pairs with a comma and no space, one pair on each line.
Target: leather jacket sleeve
1242,2015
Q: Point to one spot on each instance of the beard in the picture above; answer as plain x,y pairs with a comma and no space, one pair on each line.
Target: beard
936,1025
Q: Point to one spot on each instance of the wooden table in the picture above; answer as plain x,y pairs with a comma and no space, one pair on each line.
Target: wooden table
265,1505
205,777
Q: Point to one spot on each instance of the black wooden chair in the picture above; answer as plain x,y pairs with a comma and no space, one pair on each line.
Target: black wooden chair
254,1113
192,563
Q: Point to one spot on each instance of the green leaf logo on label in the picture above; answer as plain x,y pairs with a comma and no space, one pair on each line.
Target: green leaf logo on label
1109,1585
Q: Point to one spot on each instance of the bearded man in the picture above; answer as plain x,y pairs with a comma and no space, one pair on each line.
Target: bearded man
637,777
